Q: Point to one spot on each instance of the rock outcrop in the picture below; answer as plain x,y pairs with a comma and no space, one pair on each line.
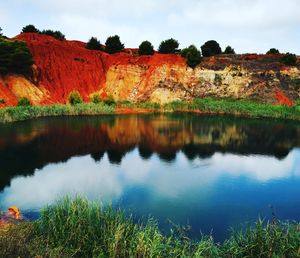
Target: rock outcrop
63,66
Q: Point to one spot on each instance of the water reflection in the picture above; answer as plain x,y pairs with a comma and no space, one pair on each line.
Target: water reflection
27,146
211,166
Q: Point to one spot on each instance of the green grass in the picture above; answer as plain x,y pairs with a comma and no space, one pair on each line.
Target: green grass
12,114
226,106
79,228
238,108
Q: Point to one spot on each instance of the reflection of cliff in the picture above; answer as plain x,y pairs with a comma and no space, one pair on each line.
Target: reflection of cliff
30,145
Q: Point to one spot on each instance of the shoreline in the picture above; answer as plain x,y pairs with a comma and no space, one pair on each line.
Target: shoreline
205,106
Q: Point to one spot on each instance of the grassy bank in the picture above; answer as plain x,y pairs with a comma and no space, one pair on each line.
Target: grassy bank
78,228
234,107
12,114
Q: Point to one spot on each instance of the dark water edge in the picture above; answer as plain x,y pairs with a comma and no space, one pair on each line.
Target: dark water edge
212,173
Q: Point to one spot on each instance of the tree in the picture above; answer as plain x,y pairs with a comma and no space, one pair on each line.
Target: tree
229,50
15,57
56,34
1,32
211,48
113,44
74,98
93,44
30,29
169,46
273,51
146,48
192,55
289,59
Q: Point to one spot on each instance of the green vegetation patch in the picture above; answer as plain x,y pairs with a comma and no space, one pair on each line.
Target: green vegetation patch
21,113
243,108
230,106
15,57
79,228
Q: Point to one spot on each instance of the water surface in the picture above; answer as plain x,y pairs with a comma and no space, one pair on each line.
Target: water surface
212,173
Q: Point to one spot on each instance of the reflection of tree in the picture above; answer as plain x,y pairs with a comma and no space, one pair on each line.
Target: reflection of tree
167,156
27,146
145,152
97,156
115,156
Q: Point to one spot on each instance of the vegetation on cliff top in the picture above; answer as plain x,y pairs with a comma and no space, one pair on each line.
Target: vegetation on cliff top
53,33
289,59
192,55
169,46
79,228
93,44
273,51
113,44
229,51
15,57
146,48
211,48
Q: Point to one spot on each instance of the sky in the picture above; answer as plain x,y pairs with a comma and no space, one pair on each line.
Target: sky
249,26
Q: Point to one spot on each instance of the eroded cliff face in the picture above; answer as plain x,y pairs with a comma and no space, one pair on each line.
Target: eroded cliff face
63,66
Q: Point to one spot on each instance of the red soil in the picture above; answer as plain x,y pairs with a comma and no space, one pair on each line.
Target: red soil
283,100
63,66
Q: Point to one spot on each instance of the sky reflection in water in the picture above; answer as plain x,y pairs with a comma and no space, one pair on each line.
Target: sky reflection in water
217,192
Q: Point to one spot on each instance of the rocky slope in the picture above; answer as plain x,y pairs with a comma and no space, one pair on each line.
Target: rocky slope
63,66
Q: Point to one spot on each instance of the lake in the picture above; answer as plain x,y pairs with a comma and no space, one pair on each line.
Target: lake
211,173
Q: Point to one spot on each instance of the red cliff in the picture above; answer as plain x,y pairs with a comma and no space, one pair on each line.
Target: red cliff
63,66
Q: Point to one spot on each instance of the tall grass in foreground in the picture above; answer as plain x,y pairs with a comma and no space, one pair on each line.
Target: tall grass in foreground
79,228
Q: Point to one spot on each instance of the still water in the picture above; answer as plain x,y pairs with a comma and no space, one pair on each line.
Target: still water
211,173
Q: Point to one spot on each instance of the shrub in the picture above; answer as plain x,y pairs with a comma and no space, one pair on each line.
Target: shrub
24,102
96,98
30,28
56,34
15,57
74,98
289,59
211,48
273,51
192,56
109,101
169,46
93,44
2,101
113,44
1,32
229,50
146,48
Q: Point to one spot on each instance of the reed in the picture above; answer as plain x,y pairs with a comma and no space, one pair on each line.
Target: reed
79,228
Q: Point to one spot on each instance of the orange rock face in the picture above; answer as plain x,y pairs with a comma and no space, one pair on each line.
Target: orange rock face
63,66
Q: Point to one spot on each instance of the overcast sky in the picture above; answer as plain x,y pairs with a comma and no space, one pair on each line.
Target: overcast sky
246,25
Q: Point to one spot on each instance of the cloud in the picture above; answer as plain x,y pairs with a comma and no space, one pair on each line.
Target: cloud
249,26
102,181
